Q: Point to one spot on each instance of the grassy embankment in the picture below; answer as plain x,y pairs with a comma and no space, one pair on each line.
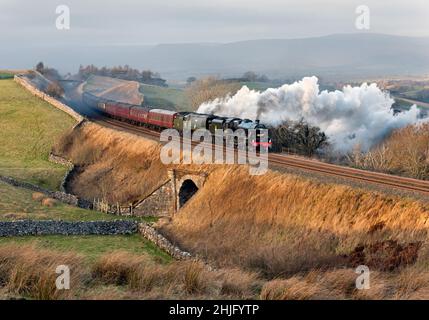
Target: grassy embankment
29,128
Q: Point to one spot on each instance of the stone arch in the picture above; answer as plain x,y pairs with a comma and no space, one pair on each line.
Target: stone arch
186,191
179,178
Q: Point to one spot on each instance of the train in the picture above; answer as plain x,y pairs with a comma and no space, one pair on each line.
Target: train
159,119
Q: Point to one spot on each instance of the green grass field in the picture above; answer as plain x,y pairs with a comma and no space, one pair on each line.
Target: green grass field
92,247
260,86
6,75
164,97
29,127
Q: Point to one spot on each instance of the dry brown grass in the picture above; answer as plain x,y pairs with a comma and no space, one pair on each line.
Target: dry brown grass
117,268
110,158
16,215
288,224
239,284
30,272
409,283
49,202
37,196
180,279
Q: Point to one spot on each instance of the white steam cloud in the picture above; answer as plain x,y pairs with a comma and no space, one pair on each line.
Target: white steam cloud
354,115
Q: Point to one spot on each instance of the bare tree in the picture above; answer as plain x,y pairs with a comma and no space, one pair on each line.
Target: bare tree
40,67
298,137
250,76
190,80
146,75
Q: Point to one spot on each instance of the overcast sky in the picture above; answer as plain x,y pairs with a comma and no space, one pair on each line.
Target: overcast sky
101,22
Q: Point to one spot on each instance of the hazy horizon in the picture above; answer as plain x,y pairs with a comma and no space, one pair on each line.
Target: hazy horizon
112,33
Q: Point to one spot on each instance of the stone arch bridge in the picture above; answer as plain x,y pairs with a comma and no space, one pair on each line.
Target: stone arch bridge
173,194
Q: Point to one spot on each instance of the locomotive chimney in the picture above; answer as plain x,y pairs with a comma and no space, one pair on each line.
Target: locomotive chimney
257,121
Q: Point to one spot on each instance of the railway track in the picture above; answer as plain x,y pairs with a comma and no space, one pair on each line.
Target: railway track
292,161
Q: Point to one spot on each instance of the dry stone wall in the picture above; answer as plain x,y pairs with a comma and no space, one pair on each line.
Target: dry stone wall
57,104
161,242
58,195
58,227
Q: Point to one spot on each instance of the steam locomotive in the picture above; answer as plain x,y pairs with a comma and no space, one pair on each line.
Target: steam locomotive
159,119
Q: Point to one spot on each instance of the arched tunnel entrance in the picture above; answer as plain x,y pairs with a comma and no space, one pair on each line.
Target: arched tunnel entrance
187,190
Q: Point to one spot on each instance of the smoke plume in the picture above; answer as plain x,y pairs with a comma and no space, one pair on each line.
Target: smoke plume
356,115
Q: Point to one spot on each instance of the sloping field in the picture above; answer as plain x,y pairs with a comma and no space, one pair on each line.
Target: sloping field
27,135
114,89
164,97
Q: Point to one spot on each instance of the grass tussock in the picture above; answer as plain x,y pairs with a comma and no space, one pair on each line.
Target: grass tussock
179,279
30,272
118,268
409,283
139,278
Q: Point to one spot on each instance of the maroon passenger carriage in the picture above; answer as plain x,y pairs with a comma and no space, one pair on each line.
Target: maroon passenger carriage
139,115
161,118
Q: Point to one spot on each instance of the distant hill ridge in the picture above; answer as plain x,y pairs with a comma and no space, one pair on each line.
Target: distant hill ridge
343,56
